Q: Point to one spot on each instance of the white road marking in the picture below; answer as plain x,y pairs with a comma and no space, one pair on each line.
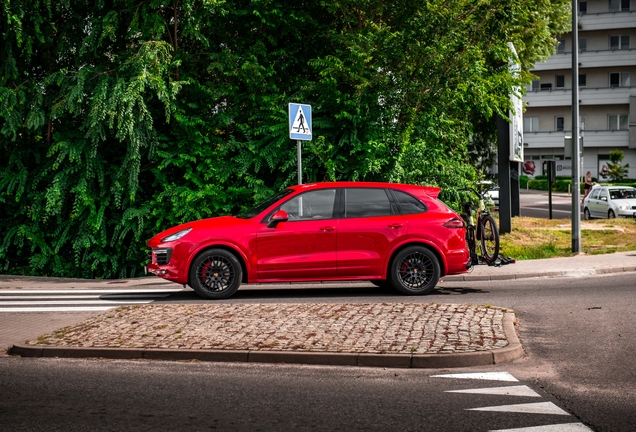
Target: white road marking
529,408
85,296
565,427
59,309
521,390
544,209
91,291
493,376
70,302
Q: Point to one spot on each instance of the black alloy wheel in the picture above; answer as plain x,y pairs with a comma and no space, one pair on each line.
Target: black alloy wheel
414,271
216,274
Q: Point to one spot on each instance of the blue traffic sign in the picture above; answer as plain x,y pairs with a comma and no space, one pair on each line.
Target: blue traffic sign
300,122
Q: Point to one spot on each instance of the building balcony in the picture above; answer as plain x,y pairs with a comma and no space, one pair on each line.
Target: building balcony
591,138
590,59
587,96
607,21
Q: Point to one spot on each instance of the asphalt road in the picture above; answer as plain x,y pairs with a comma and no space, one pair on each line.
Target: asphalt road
536,204
577,332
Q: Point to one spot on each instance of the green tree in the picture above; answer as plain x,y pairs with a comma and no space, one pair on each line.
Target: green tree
616,171
120,118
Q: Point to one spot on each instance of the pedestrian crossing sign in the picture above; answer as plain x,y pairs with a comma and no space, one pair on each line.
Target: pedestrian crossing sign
300,122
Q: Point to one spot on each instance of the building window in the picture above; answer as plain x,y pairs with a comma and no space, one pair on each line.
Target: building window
560,81
546,87
561,46
531,124
619,5
617,79
536,85
619,42
582,122
583,7
582,80
582,44
618,122
559,123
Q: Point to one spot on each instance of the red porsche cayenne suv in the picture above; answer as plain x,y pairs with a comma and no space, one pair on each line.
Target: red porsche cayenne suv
390,234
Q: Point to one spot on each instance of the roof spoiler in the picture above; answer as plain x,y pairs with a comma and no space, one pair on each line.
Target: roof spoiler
432,191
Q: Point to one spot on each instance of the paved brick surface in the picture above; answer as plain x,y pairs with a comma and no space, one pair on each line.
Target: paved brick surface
356,328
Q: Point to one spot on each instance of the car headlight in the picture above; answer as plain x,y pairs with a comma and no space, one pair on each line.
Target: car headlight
624,207
176,236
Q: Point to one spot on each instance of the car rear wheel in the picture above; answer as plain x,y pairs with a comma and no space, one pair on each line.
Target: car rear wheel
216,274
586,214
414,271
611,214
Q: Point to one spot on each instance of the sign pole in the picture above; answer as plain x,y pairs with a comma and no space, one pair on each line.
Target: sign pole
300,127
300,163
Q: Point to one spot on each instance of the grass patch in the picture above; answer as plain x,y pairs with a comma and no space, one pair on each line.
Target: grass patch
535,238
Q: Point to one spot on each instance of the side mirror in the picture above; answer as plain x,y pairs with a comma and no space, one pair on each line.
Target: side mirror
279,216
603,198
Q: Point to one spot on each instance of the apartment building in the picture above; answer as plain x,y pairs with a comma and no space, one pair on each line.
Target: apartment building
607,92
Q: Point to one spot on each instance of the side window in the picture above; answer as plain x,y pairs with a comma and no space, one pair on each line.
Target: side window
602,194
594,194
316,204
361,202
409,204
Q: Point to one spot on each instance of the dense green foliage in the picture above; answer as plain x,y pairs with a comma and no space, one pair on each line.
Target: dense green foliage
120,118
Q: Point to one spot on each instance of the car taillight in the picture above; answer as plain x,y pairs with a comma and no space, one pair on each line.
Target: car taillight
454,223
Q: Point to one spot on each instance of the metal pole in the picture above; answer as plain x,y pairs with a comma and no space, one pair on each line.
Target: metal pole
300,163
576,151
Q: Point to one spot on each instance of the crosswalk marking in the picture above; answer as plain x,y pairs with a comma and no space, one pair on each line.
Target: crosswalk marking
492,376
69,302
529,408
77,300
565,427
521,390
59,309
92,291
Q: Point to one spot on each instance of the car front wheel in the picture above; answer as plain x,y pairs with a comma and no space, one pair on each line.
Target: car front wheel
611,214
414,271
216,274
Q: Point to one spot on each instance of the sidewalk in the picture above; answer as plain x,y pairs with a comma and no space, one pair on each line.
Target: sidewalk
385,335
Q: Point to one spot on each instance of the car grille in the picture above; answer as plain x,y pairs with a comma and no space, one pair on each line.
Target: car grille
163,255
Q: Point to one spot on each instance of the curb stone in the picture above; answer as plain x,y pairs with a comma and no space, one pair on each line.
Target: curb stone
510,352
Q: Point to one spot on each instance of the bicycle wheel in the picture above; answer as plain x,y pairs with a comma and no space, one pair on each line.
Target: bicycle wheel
489,237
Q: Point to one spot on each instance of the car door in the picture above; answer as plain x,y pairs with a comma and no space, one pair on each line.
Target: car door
369,227
303,247
592,202
602,203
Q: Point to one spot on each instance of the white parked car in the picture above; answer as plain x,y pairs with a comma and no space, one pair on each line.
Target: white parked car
610,202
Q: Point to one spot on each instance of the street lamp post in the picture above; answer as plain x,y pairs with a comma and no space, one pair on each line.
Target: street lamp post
576,150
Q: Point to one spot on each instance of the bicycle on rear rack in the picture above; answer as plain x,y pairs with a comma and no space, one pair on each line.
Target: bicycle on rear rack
485,230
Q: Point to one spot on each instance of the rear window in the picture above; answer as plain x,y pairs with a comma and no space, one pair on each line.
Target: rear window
408,203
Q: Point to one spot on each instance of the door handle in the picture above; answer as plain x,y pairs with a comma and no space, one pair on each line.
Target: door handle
327,228
395,225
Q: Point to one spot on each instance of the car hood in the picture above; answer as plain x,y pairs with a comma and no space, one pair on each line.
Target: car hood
215,223
625,202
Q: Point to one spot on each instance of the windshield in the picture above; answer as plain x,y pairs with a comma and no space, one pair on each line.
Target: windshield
258,208
622,194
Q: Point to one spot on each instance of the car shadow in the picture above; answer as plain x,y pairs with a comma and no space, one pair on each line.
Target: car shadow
272,294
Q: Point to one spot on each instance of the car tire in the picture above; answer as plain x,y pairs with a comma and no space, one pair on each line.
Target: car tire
216,274
611,214
414,270
586,214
